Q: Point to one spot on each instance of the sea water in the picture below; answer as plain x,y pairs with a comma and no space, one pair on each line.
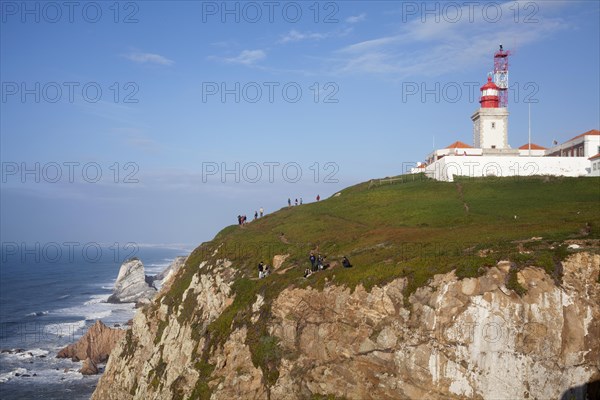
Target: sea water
49,302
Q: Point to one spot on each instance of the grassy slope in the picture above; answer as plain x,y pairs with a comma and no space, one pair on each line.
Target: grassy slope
414,229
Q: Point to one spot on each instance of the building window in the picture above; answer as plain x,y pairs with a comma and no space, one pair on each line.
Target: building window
493,125
493,146
594,166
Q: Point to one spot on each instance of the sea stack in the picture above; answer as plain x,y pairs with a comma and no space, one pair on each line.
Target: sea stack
132,286
94,347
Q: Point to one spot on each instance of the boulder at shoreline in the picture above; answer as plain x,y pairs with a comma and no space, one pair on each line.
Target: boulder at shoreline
95,345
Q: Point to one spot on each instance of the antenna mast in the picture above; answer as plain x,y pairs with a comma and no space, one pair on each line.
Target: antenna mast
501,75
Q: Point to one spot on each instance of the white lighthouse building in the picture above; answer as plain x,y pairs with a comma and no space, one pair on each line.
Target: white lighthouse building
490,122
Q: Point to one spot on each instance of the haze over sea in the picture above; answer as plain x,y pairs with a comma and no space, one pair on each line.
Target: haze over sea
49,302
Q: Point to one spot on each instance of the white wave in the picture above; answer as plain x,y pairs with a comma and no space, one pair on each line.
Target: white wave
105,285
38,313
26,354
64,296
9,375
96,299
65,328
164,265
73,375
38,352
98,315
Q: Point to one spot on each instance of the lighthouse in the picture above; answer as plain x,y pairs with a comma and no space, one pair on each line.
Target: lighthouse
491,155
490,121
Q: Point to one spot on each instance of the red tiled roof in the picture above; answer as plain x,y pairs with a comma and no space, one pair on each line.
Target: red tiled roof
459,145
594,157
593,132
533,147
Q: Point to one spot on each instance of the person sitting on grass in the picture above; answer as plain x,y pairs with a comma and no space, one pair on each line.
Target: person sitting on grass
307,272
346,262
261,267
321,262
267,271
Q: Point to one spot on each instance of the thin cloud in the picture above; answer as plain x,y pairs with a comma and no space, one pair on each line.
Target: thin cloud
356,18
297,36
434,48
149,58
247,57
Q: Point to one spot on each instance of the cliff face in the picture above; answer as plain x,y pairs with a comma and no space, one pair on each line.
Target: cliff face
452,339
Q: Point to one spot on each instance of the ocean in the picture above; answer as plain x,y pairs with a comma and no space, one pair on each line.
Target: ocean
49,297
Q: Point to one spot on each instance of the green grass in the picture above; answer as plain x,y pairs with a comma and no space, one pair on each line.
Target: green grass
412,230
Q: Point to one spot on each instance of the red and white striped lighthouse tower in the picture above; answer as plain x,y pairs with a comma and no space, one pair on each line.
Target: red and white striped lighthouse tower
490,97
490,121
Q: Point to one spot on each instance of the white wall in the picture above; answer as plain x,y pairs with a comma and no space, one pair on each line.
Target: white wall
446,168
484,136
538,153
596,164
592,142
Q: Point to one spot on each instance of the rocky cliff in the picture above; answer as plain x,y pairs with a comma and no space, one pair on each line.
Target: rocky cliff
93,347
164,277
132,285
451,338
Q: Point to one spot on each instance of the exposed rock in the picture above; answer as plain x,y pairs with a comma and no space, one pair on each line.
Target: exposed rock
237,377
96,344
131,284
126,375
163,278
455,339
278,261
89,367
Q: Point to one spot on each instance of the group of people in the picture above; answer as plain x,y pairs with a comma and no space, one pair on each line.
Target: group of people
263,270
296,202
242,218
317,263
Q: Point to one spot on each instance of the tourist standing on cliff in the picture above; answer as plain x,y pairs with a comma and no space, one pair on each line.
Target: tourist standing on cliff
313,261
289,202
255,214
261,212
318,197
296,203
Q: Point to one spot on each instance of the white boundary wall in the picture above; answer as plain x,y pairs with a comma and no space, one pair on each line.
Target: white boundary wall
446,168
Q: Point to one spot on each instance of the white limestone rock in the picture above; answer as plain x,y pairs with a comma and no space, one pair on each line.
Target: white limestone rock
163,277
131,285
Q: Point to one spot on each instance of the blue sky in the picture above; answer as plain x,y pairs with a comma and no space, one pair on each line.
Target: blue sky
353,61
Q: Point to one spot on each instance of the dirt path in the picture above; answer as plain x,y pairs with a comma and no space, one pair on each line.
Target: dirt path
461,196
